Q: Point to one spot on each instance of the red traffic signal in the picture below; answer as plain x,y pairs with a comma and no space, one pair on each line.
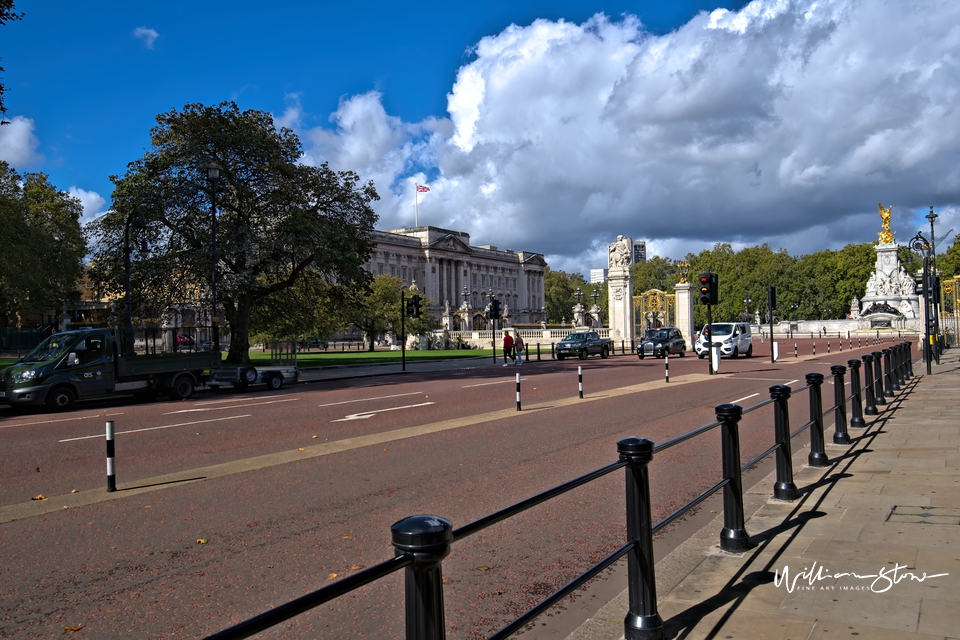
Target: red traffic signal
708,288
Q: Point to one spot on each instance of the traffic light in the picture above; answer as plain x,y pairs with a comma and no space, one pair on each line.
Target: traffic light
708,288
771,298
494,310
413,307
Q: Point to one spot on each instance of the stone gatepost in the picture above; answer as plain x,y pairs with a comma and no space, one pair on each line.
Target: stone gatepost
684,292
620,288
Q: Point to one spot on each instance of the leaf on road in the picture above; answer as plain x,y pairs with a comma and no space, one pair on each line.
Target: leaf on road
483,568
447,581
201,541
188,519
251,524
39,496
146,506
346,537
301,449
72,629
355,567
74,491
315,437
331,576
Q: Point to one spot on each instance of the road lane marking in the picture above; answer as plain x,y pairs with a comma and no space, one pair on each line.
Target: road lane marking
234,406
370,414
57,504
397,395
29,424
790,382
486,384
744,398
223,400
165,426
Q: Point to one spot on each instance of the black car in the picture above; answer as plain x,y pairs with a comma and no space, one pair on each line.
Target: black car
660,342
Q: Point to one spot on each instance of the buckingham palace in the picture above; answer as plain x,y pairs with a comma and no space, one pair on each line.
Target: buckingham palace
449,271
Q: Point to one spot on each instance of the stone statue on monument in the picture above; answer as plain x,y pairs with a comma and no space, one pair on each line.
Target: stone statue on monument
618,254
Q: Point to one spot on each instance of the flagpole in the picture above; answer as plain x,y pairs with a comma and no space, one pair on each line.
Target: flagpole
416,204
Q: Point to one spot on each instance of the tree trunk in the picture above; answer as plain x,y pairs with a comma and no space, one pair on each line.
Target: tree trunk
238,315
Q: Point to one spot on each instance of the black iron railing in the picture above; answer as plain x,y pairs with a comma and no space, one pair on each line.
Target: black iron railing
423,541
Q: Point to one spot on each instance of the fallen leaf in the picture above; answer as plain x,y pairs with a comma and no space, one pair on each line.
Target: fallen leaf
346,537
483,568
385,449
39,496
331,576
72,629
315,437
147,507
188,519
301,449
201,541
355,567
447,581
712,511
74,491
278,433
251,524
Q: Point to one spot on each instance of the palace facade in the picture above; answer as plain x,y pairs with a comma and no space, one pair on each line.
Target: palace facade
448,270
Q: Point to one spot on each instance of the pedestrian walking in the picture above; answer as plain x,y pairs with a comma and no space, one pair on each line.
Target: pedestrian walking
518,347
507,348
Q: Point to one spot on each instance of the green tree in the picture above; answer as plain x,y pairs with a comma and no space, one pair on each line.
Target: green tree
41,245
375,309
278,218
655,273
7,14
558,293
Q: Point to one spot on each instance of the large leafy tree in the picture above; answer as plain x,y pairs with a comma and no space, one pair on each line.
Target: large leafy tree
375,309
558,292
279,219
41,243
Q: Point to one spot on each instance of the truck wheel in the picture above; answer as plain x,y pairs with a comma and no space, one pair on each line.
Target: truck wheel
274,382
248,375
560,357
583,354
61,399
182,388
604,353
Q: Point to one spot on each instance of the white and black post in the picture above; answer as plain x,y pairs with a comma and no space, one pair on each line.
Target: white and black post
666,367
111,468
518,392
580,380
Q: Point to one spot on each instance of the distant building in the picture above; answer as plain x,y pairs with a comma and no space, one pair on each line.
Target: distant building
443,264
639,251
598,276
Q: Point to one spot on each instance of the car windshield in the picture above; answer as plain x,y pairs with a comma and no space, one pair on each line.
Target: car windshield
656,334
722,329
576,337
52,348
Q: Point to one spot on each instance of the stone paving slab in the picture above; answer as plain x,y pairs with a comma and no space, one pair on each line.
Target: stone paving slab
870,550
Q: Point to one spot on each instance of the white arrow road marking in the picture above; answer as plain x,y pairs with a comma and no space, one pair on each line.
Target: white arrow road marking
398,395
370,414
165,426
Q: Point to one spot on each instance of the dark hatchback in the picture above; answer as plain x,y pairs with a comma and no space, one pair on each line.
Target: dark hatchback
657,343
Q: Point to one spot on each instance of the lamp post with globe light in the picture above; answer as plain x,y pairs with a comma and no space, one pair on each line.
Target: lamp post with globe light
213,177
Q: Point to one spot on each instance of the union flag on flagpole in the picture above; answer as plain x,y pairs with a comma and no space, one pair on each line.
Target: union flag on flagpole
422,188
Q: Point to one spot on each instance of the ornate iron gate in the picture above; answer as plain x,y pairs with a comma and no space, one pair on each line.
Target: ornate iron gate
654,309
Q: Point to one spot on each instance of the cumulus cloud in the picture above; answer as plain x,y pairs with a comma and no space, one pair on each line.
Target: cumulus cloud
149,36
92,203
785,122
18,144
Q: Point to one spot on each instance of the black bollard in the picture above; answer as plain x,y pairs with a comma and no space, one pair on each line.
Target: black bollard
878,378
870,406
909,351
888,384
427,539
817,456
733,537
784,489
642,621
856,409
840,435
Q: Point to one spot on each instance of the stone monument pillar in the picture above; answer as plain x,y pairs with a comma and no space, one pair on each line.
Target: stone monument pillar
620,288
684,291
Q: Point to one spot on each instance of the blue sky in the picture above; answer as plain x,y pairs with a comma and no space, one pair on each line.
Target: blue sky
433,92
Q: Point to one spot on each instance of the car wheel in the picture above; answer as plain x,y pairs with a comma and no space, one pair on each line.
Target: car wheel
560,357
749,353
640,355
700,355
683,352
275,382
604,353
61,399
583,354
182,388
735,353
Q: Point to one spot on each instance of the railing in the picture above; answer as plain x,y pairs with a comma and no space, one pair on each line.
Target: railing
423,541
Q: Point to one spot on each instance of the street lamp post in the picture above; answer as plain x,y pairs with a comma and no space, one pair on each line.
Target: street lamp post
596,296
933,277
919,243
139,223
213,177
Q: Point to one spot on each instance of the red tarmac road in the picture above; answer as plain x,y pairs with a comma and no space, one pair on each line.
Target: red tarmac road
279,522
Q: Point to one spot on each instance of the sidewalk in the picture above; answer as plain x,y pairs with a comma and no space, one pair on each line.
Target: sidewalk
886,512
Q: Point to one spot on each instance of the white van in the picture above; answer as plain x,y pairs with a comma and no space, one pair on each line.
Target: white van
733,338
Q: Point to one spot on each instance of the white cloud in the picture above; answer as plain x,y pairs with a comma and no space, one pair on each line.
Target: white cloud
92,203
784,123
18,144
146,34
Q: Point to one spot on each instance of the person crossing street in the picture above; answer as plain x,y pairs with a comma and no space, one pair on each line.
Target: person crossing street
507,348
518,347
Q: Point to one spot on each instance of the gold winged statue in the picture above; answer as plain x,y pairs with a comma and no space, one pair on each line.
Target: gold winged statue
886,236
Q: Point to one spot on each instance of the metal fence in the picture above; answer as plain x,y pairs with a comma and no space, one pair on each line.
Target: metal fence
22,338
423,541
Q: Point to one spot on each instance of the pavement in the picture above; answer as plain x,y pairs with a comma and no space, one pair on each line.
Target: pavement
871,549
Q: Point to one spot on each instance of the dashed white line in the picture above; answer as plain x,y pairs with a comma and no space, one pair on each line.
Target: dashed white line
398,395
28,424
744,398
233,406
165,426
487,384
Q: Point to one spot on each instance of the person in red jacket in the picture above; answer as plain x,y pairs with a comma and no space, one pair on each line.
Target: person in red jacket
507,347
